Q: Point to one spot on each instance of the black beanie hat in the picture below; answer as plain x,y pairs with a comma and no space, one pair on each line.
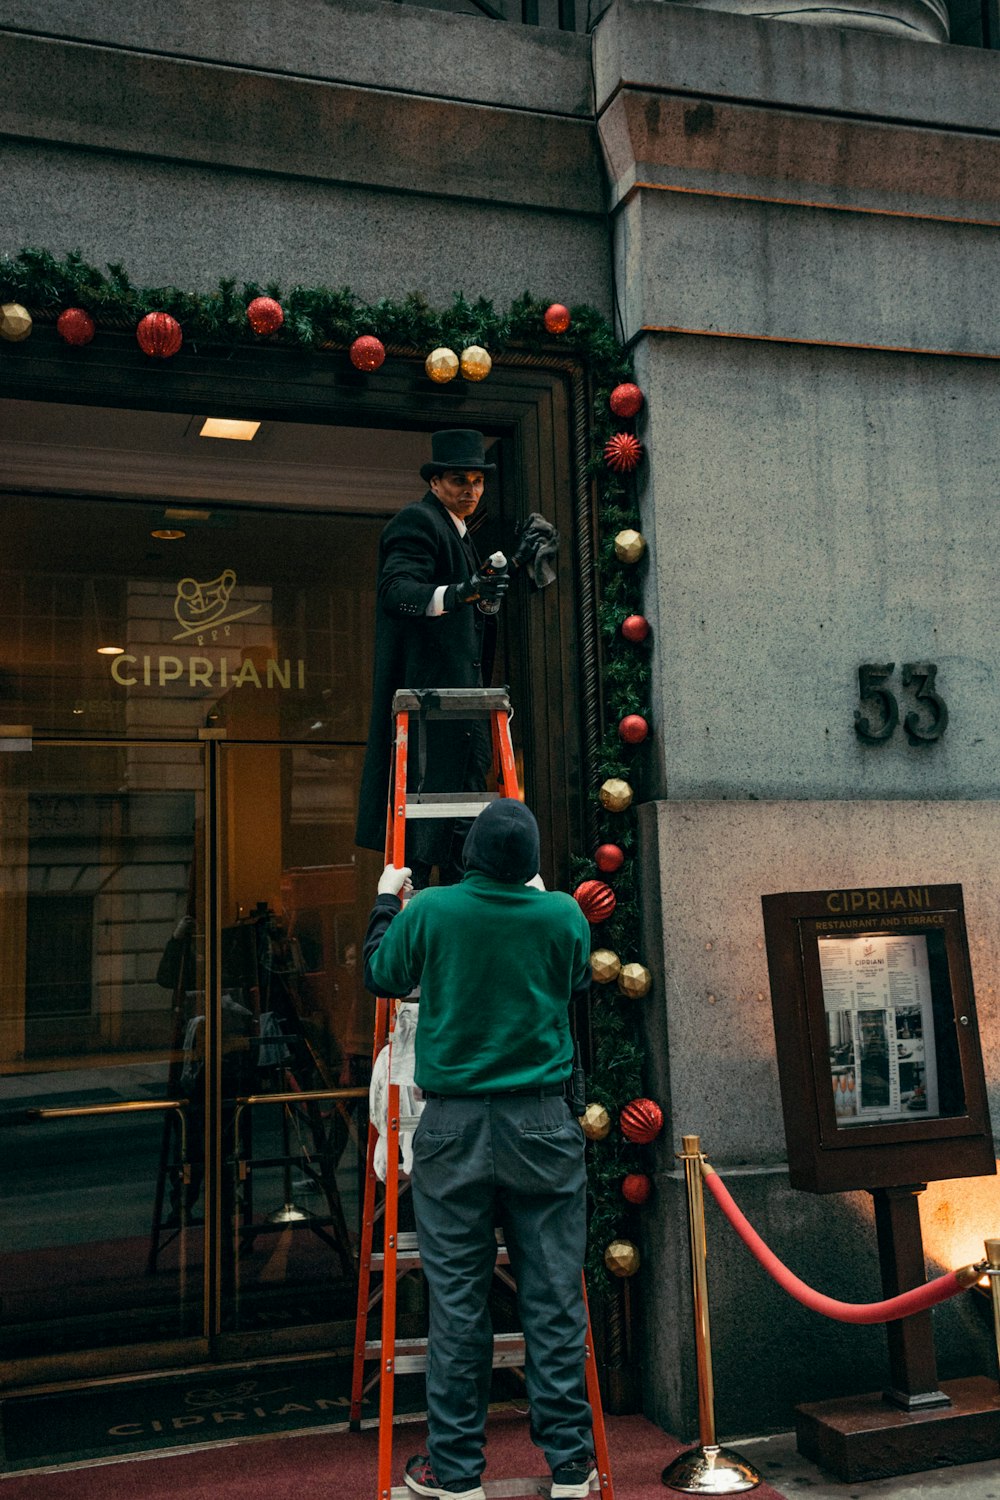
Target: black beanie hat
503,842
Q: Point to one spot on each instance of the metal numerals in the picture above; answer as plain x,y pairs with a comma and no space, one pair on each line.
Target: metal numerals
923,726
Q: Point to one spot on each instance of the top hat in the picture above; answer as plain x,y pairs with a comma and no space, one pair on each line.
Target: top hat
456,448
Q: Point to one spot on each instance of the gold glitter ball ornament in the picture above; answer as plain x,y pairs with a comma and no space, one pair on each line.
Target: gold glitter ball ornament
635,980
615,794
629,546
475,363
15,322
442,365
622,1258
595,1122
604,965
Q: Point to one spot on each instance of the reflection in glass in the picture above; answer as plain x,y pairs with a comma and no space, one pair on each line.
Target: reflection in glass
96,850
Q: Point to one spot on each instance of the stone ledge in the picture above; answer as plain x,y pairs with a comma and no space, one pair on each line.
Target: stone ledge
669,141
122,102
372,43
656,44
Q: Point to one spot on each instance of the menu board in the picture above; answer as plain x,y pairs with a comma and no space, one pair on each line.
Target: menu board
880,1027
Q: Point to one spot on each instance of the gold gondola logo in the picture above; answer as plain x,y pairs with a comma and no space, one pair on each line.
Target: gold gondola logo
202,607
204,613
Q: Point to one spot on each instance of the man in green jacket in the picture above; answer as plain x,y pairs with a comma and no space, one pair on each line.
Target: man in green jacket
498,962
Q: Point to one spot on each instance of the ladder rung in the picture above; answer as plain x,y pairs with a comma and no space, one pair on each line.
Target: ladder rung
462,702
408,1252
495,1489
411,1354
447,805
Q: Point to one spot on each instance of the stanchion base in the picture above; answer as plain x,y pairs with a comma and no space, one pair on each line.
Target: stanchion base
710,1471
865,1437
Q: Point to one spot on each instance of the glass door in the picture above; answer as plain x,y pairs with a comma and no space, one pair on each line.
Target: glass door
182,722
296,1033
100,903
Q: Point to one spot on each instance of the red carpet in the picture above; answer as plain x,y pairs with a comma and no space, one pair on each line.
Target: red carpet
337,1466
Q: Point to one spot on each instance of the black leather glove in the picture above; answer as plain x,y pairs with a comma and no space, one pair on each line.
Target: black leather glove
479,586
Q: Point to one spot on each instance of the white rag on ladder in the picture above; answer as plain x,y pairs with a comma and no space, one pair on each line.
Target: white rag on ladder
410,1103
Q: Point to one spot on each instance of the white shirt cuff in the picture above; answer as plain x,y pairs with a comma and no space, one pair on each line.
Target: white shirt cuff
436,606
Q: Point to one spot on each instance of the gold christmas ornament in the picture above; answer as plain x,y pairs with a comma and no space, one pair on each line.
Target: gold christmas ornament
595,1122
629,546
475,363
635,981
604,965
616,794
15,322
442,365
622,1258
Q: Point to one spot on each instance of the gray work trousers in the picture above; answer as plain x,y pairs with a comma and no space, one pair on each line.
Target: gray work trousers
514,1160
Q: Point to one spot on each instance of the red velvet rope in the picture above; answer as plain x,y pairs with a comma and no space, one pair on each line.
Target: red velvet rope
917,1300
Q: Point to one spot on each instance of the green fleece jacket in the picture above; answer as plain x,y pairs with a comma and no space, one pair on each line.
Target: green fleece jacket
497,966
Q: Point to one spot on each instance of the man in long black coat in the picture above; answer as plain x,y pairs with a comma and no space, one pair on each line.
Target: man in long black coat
428,633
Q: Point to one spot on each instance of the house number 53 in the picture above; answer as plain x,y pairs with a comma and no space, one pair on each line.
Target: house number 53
923,725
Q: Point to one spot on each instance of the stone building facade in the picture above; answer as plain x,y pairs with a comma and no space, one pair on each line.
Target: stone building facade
793,229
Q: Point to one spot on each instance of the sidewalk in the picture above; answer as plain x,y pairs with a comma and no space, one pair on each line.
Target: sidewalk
778,1462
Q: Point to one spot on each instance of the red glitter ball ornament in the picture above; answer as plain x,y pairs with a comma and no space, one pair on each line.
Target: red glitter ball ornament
265,315
626,399
75,325
633,729
609,858
159,335
636,1187
596,900
622,452
641,1121
367,352
556,318
635,627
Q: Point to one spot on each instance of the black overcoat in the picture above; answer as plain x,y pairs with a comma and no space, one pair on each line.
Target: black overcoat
420,549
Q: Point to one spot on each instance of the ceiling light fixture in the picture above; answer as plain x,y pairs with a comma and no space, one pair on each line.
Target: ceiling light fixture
226,427
111,650
167,534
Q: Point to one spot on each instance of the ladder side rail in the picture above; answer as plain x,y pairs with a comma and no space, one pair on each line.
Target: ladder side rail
390,1232
365,1248
503,755
604,1481
397,783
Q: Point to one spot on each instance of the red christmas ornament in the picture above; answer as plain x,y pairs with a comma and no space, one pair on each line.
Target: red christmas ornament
622,452
265,315
636,1187
159,335
609,858
635,627
626,399
641,1121
633,729
556,318
367,352
596,900
75,325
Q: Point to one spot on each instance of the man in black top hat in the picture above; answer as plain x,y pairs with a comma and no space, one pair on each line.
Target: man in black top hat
429,634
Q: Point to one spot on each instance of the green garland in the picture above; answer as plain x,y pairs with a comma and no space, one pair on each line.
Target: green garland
320,316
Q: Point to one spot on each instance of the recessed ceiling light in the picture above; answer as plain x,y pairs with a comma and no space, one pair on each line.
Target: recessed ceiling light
111,650
168,534
225,427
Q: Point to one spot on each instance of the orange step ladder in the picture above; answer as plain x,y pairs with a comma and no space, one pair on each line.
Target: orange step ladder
400,1252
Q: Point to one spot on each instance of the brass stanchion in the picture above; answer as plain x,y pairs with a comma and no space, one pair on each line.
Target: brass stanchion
707,1469
992,1270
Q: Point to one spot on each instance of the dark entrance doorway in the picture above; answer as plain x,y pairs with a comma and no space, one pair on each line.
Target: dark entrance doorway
182,723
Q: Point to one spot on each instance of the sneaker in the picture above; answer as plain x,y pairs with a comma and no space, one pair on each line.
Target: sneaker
573,1481
421,1479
